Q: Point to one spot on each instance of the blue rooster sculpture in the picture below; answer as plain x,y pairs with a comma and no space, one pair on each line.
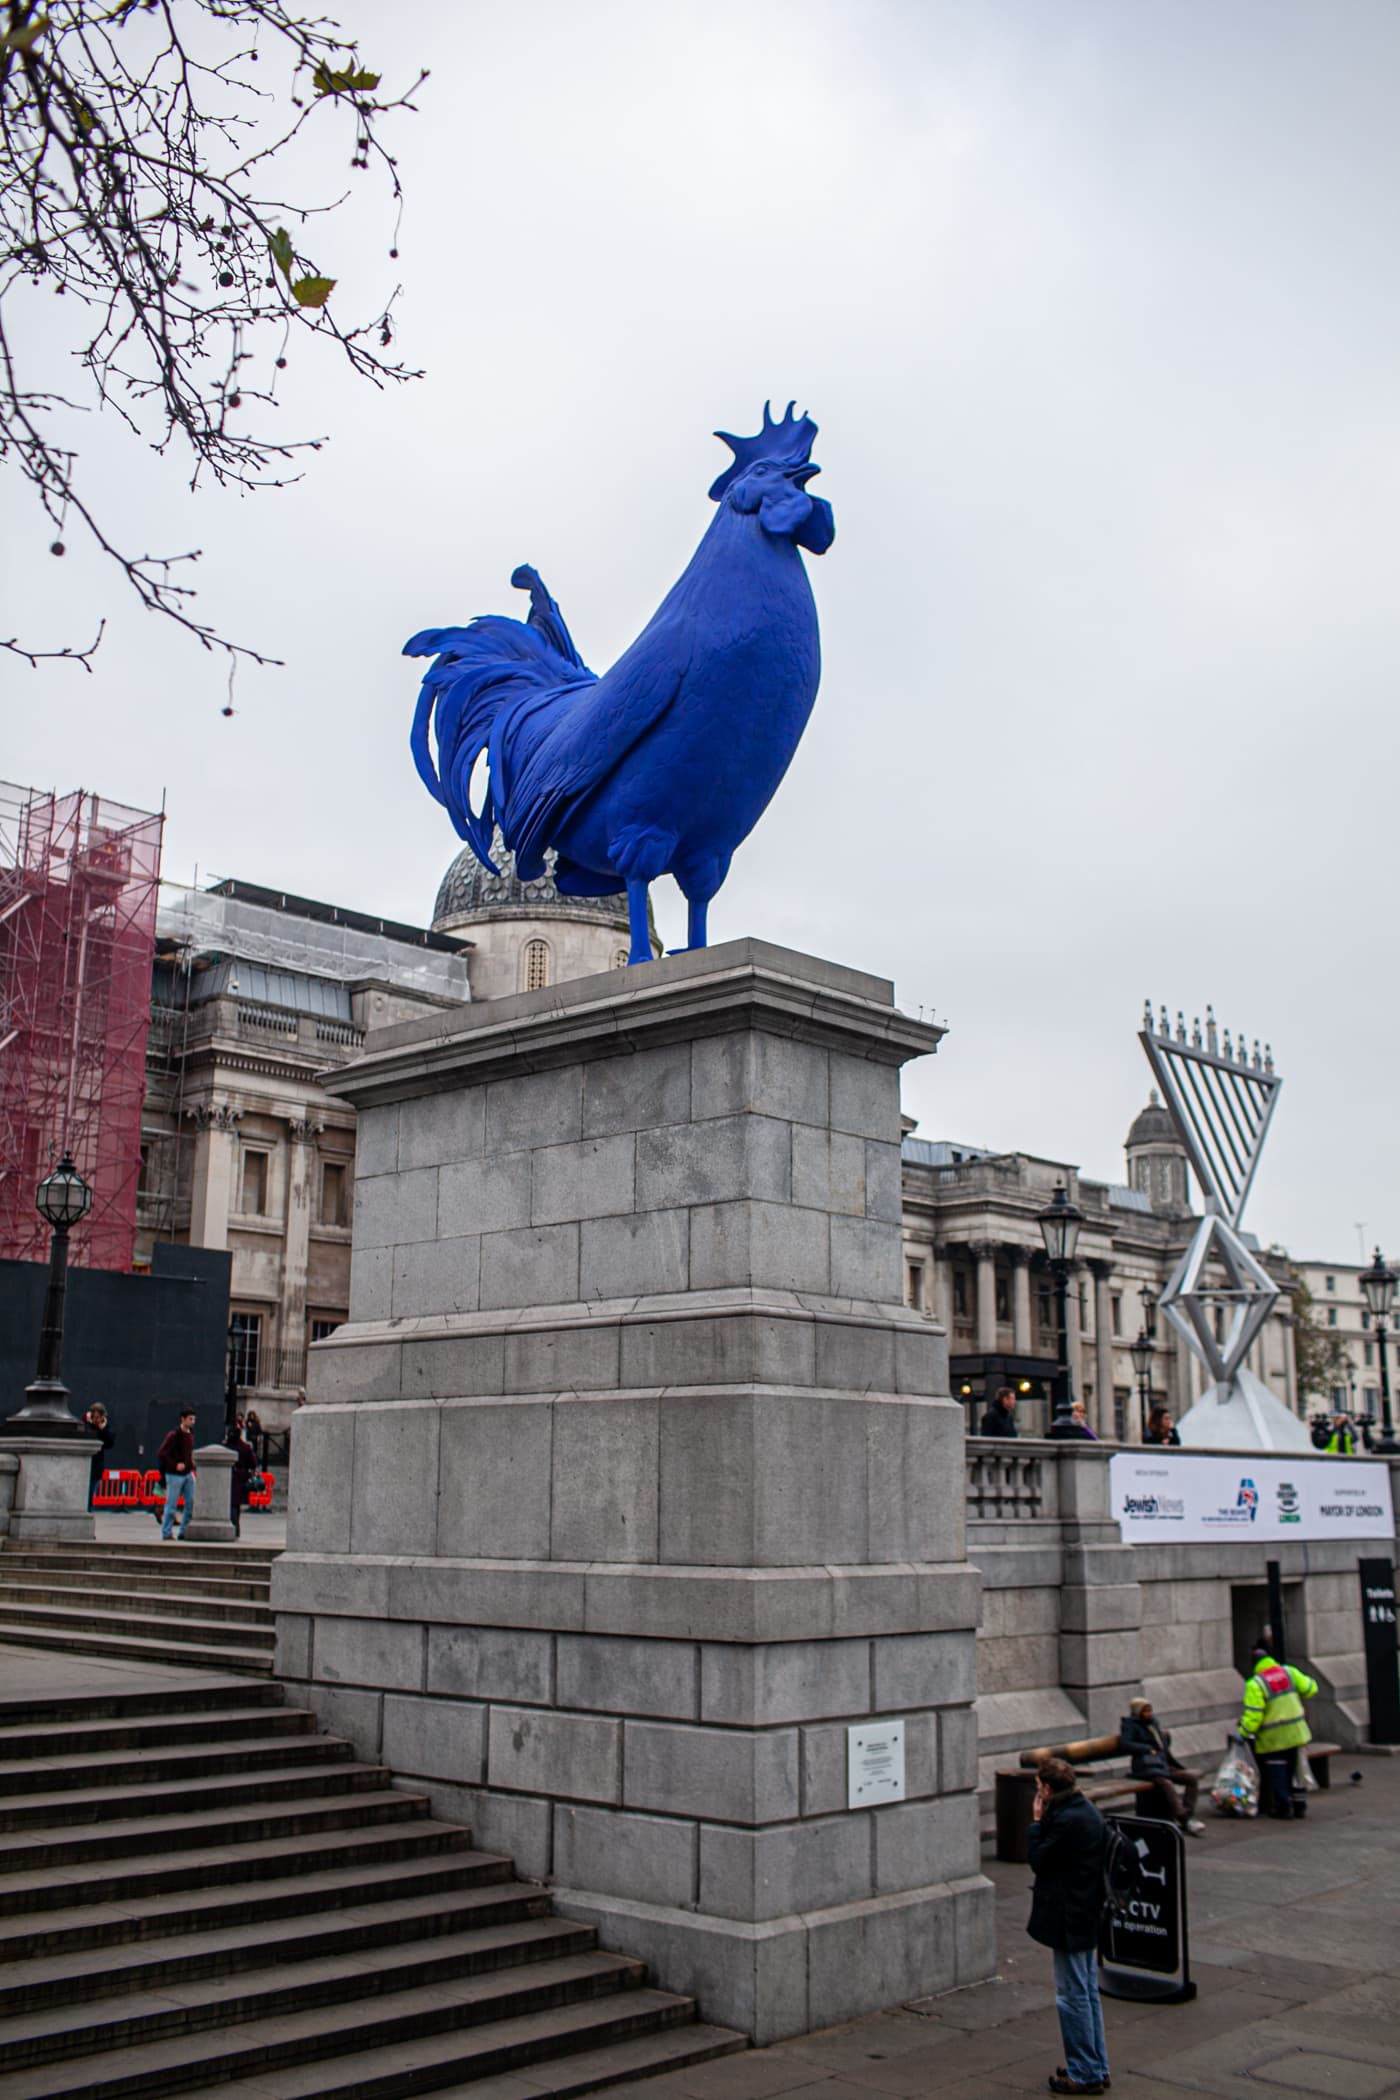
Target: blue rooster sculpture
665,763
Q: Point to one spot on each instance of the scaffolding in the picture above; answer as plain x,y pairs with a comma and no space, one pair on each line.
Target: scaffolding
78,884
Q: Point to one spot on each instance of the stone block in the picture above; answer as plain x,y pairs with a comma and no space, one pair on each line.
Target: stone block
762,1478
727,1158
916,1474
884,1181
392,1208
352,1713
592,1178
760,1874
564,1359
633,1257
923,1669
493,1489
825,1761
721,1346
350,1371
293,1644
455,1367
536,1266
318,1583
1021,1659
371,1283
369,1654
918,1842
393,1494
974,1912
485,1195
1099,1658
534,1108
637,1091
957,1749
574,1757
521,1826
435,1738
751,1070
865,1259
318,1509
751,1977
1116,1608
437,1276
882,1952
377,1142
488,1593
932,1599
728,1775
920,1360
651,1859
733,1245
604,1473
853,1356
484,1662
783,1681
436,1130
622,1676
828,1170
864,1096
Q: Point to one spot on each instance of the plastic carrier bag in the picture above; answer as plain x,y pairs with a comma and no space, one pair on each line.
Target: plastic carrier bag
1235,1790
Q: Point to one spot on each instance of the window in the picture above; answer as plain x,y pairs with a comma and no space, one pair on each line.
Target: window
143,1179
1368,1352
1331,1316
534,966
1331,1283
321,1328
1365,1322
1116,1311
960,1307
335,1189
1370,1394
914,1285
1121,1397
254,1184
1003,1300
620,959
245,1343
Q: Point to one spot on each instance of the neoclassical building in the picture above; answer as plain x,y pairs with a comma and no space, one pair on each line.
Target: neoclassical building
524,935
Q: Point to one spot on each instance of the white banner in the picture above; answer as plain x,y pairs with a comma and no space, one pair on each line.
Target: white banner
1166,1494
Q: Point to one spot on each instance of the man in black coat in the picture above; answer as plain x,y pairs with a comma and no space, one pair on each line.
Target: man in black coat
1150,1747
999,1417
1065,1846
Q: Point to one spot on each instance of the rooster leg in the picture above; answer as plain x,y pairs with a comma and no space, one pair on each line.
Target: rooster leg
639,920
698,880
696,918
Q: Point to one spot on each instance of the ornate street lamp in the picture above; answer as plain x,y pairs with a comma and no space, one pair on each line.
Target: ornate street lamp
1059,1228
1378,1289
63,1199
1142,1352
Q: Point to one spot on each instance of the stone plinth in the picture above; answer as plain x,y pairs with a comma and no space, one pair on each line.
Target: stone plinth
211,1523
629,1486
51,1489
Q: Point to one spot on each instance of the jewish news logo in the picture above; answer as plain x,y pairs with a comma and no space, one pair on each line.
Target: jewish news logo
1288,1509
1247,1500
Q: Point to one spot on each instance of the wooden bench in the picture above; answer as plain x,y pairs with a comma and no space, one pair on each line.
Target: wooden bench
1015,1789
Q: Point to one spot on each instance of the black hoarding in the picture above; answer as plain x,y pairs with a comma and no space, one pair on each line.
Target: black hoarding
1143,1949
1382,1668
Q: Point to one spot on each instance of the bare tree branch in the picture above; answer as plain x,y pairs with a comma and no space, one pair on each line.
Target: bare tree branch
134,140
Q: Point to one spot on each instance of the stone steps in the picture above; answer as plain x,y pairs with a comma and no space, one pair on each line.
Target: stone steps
205,1607
193,1601
195,1901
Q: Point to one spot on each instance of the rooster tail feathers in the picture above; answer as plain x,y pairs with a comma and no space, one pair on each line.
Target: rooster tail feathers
481,676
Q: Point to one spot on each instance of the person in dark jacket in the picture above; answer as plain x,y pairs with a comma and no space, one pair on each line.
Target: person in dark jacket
1065,1846
245,1465
1149,1745
1160,1428
176,1461
95,1423
999,1418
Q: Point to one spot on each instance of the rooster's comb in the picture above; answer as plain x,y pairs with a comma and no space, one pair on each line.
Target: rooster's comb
788,441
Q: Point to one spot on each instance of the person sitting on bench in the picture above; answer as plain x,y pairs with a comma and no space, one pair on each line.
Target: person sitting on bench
1149,1745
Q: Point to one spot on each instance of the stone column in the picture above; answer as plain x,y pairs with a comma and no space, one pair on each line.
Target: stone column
1100,1598
943,1290
212,1523
630,1486
1021,1300
1103,1349
215,1168
986,1253
296,1245
1074,1339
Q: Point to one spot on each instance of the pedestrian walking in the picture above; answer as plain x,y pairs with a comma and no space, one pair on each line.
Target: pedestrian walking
245,1461
1274,1723
95,1422
1065,1846
1150,1747
176,1461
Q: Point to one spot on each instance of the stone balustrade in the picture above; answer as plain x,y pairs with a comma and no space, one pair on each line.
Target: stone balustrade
1009,1479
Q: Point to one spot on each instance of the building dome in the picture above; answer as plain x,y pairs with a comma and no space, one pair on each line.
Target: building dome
524,935
1152,1126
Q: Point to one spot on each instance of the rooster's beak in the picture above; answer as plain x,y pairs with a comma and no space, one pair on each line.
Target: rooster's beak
802,475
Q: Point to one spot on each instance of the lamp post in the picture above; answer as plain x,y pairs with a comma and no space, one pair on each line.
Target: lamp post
1378,1289
63,1199
1142,1353
1059,1228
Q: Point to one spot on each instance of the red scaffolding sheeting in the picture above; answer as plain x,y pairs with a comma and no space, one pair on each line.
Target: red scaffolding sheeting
79,877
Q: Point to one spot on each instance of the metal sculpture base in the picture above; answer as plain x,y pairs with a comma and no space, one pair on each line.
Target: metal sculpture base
1242,1415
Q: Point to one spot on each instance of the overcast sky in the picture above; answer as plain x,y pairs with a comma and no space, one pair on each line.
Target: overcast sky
1096,304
